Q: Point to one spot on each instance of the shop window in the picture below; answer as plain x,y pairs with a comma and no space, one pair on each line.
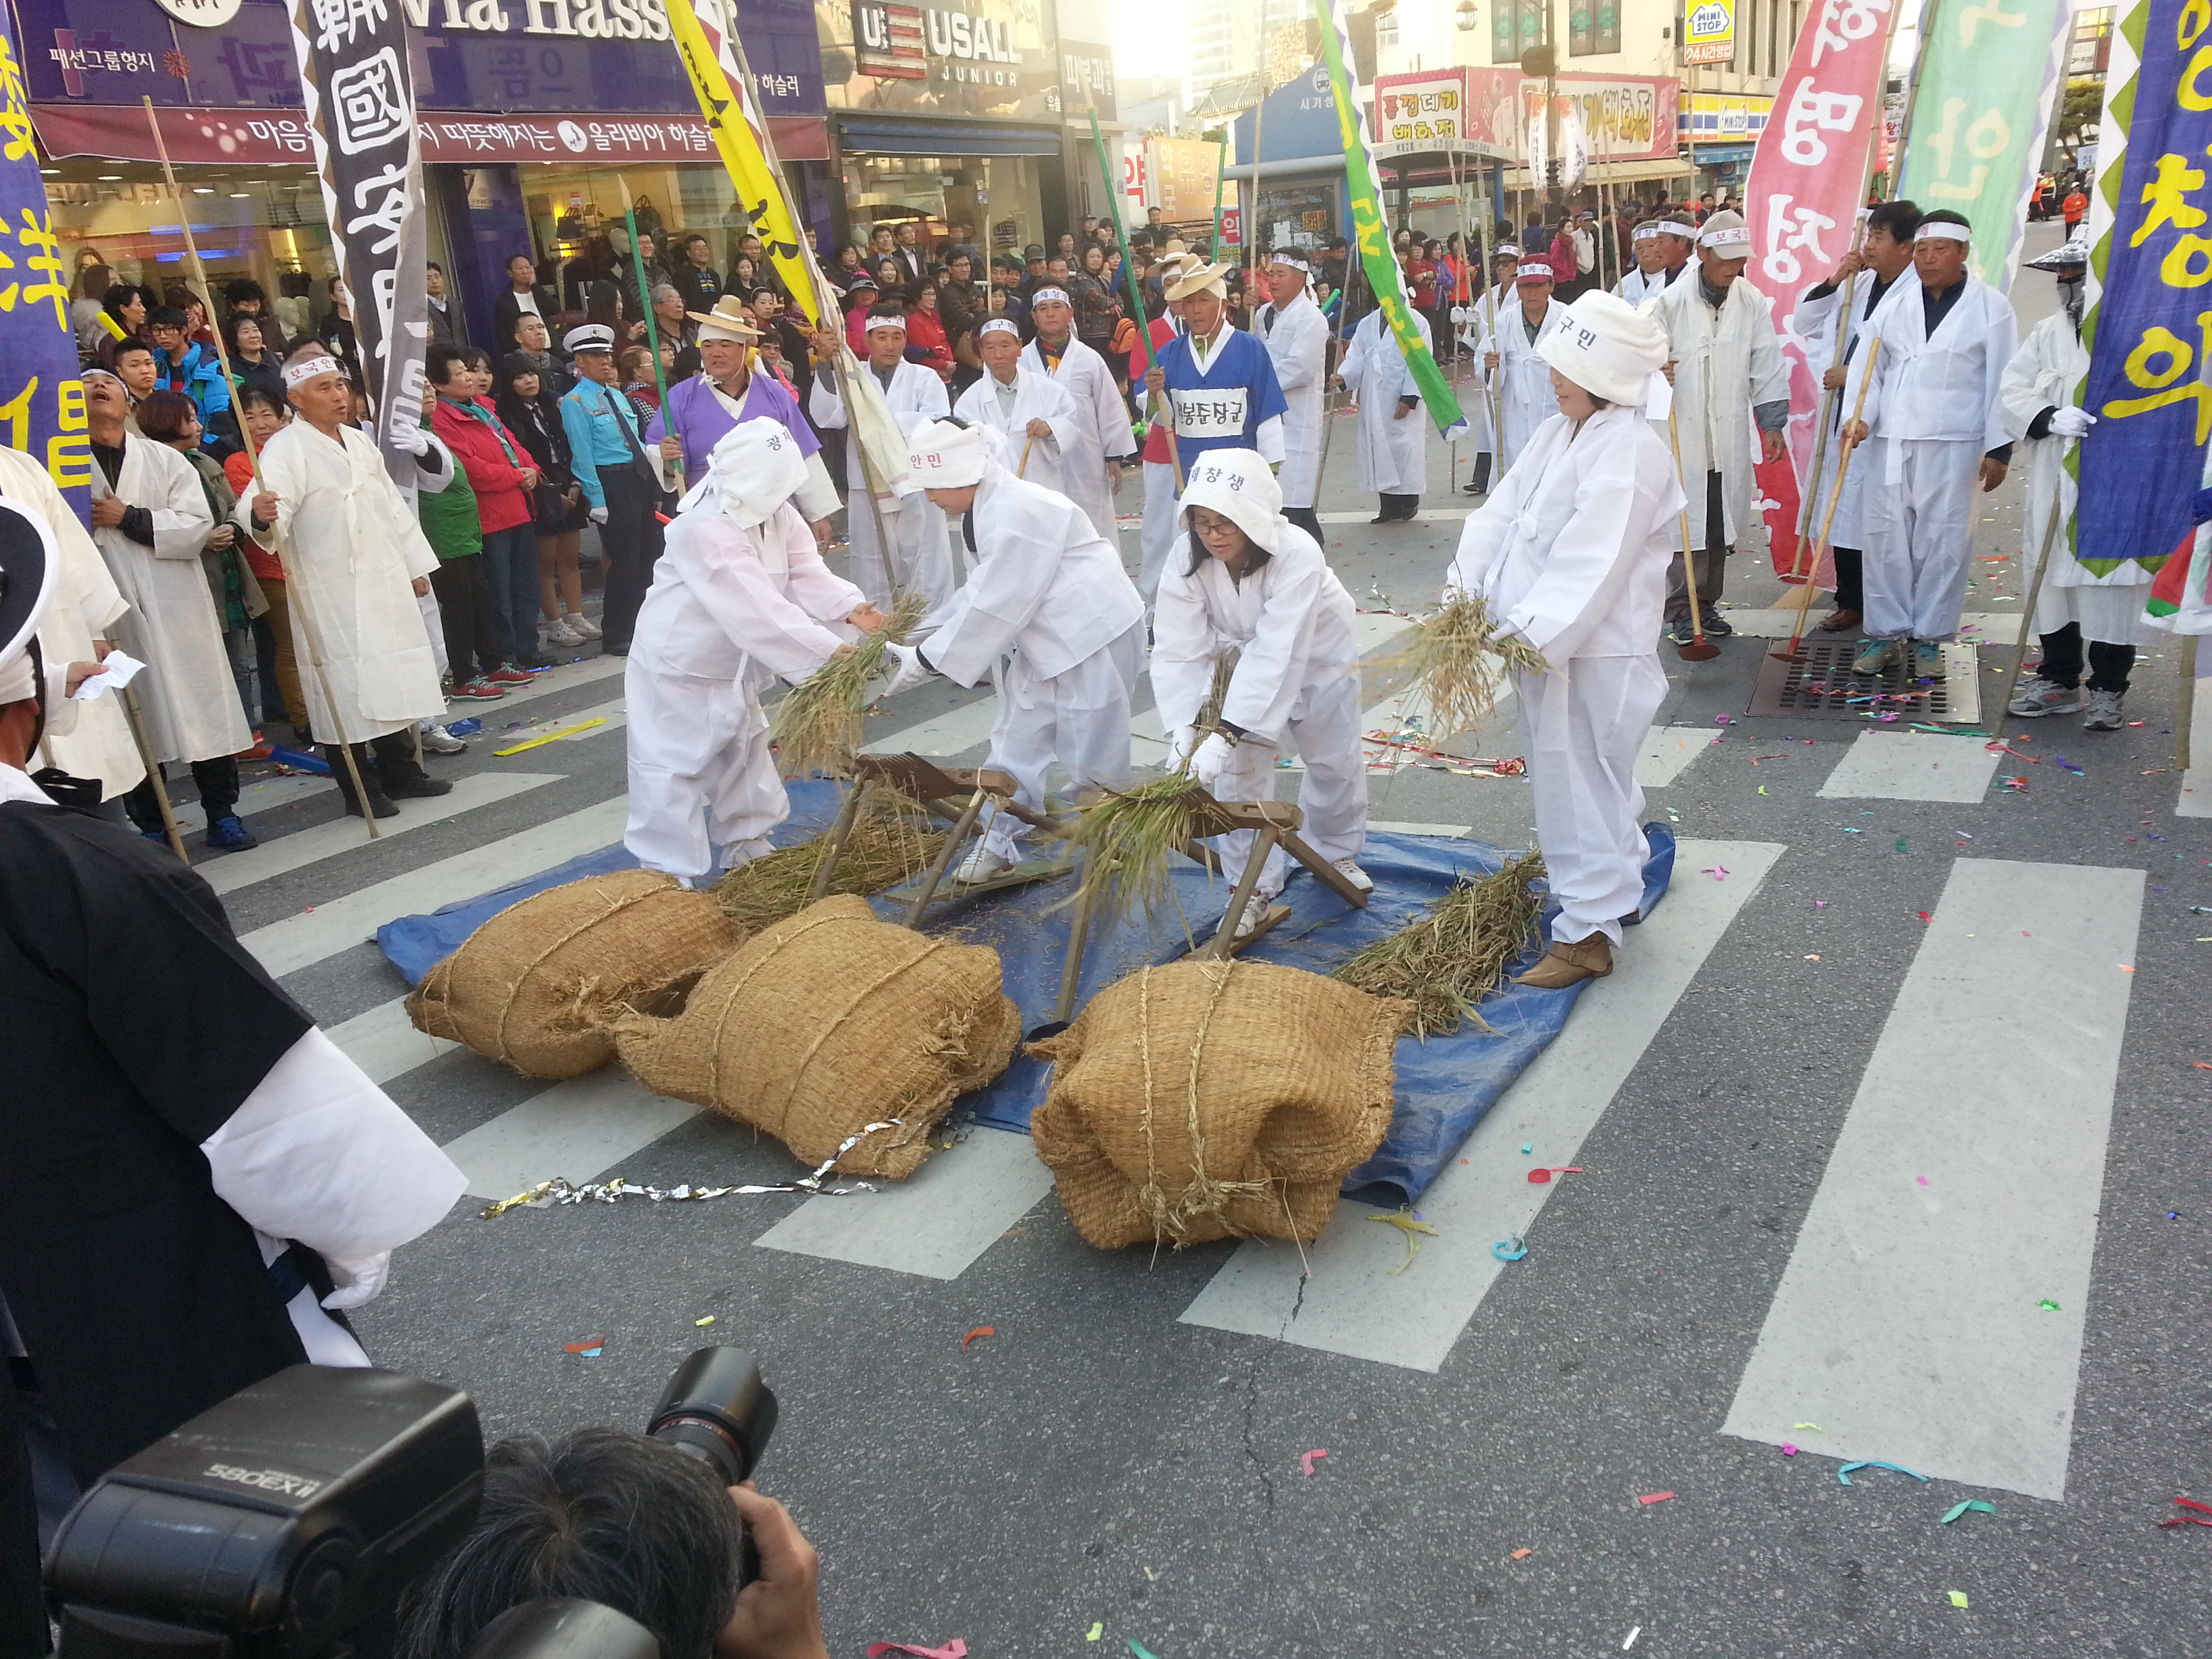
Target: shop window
1593,27
1515,26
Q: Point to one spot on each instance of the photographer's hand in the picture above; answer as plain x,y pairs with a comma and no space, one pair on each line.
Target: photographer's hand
778,1615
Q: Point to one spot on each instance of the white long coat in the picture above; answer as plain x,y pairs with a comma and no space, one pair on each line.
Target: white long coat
1393,453
1948,388
1471,323
1523,380
1104,423
88,739
921,554
352,550
1816,319
1038,397
1571,551
1725,362
189,697
2043,374
1297,339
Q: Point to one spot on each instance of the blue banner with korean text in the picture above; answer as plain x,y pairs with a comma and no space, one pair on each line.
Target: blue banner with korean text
41,399
2150,333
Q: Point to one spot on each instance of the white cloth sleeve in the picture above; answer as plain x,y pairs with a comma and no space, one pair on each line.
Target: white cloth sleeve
823,402
816,499
319,1154
1268,440
434,467
181,521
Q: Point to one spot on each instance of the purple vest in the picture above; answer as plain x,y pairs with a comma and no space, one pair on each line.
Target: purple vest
702,420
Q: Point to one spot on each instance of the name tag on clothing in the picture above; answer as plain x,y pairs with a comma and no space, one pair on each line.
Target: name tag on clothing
1210,414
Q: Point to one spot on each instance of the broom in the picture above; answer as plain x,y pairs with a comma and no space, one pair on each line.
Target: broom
1455,954
1458,657
887,844
818,727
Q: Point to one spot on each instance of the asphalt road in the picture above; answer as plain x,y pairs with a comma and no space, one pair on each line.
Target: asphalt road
1837,1155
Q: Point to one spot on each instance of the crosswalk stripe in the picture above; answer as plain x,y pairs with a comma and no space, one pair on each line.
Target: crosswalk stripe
1667,752
1912,766
384,1042
282,854
1351,1304
268,795
1387,827
946,736
340,922
1914,1322
612,717
579,1128
935,1223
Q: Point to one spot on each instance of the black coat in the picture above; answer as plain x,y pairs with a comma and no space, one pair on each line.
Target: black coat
507,314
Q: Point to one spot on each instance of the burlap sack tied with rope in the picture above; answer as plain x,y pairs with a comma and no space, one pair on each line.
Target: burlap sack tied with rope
1209,1099
535,986
829,1021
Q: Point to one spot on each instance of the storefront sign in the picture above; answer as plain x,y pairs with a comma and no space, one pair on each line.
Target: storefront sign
1708,33
41,399
217,136
1628,118
1410,109
1722,117
1184,175
1087,78
201,13
992,58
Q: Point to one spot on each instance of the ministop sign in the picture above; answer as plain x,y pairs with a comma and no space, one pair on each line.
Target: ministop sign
1709,35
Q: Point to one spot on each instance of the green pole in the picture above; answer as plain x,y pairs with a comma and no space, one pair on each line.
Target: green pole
1129,273
1220,173
651,324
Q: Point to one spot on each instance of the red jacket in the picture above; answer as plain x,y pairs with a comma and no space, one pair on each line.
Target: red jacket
926,330
492,457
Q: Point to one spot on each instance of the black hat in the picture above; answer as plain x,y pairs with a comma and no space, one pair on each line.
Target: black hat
1034,250
29,568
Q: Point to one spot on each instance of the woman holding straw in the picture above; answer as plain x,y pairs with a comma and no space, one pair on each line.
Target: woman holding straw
1256,586
739,597
1569,554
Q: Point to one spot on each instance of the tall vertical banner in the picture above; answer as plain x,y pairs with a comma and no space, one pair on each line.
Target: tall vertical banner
730,104
359,98
1989,76
41,399
1801,201
2148,325
1372,233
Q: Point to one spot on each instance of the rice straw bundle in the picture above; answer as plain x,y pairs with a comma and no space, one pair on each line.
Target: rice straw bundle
1127,838
818,727
1457,658
1451,958
890,842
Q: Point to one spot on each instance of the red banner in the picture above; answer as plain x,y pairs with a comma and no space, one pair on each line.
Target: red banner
1800,202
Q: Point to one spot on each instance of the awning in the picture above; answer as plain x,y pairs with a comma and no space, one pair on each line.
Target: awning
206,136
1616,172
878,135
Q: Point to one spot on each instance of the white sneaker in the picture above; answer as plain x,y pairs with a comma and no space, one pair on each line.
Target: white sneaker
440,741
581,625
2107,711
1254,913
2036,696
1357,876
558,634
982,865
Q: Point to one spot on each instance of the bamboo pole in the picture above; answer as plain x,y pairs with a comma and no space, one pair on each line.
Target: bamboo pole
2027,627
302,612
135,719
651,324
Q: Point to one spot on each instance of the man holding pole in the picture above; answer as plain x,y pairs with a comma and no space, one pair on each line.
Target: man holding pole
1091,470
1295,335
622,484
1217,381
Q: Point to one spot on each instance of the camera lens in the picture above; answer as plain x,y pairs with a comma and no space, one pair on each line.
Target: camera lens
716,1408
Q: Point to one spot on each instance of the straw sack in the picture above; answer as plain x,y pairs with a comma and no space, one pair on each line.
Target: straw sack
829,1021
535,986
1209,1099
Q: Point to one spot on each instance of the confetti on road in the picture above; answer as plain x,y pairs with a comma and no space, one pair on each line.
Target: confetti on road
1958,1509
1522,1554
1958,1598
1654,1498
1307,1460
981,1330
1844,1474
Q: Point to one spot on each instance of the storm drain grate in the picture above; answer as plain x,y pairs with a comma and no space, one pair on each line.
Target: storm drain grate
1823,687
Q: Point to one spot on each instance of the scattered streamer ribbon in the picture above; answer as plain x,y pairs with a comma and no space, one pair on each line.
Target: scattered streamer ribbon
553,736
1306,1460
956,1649
1958,1597
1717,871
1140,1649
981,1330
2189,1520
560,1190
1958,1509
1509,1250
1844,1474
1538,1177
1407,1220
1095,1632
589,1348
1655,1497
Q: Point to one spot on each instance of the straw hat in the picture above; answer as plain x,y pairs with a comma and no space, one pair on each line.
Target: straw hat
727,321
1200,277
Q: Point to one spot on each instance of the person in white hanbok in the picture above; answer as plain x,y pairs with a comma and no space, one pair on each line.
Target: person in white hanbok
1570,552
1295,333
1662,253
739,597
1883,260
87,738
1253,583
355,561
1026,406
1091,470
1472,323
1725,359
1513,366
1935,412
149,520
920,555
2076,605
1393,432
1048,613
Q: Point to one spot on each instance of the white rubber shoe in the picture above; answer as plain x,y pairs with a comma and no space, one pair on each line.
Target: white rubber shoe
1357,876
982,865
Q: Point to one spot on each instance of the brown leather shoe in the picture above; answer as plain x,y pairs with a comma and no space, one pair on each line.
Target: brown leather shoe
1569,965
1837,621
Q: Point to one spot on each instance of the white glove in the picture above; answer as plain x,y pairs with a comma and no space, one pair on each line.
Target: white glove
2071,423
1459,313
412,439
1180,742
357,1283
1215,756
599,515
912,671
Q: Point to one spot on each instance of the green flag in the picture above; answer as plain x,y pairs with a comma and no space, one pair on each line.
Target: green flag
1372,234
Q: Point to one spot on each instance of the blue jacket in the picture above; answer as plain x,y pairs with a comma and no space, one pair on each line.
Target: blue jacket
199,377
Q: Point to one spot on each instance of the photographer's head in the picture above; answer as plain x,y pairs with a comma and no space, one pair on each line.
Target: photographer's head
601,1514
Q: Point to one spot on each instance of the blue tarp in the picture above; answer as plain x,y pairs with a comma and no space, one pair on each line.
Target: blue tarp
1444,1085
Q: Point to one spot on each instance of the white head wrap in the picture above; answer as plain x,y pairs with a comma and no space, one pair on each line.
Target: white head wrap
1289,261
1726,234
307,368
1608,348
1943,227
1533,271
996,325
753,471
943,456
1687,232
1506,250
1050,296
1645,232
1241,487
